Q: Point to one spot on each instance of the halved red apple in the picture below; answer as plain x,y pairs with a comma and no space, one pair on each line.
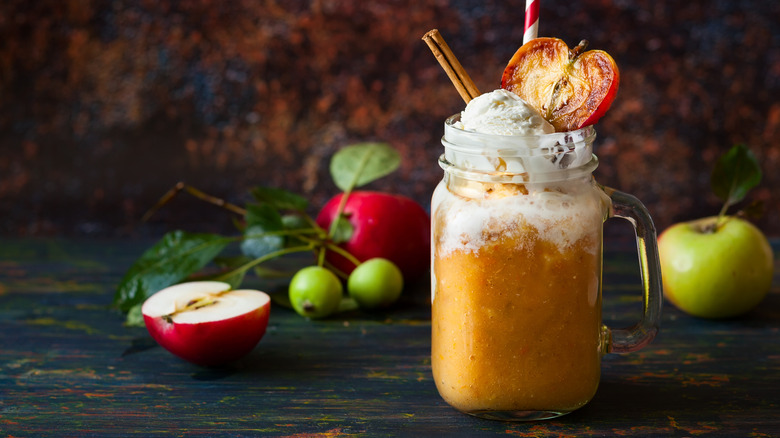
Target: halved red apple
571,89
205,322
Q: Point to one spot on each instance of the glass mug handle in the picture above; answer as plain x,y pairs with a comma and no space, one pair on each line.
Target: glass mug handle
639,335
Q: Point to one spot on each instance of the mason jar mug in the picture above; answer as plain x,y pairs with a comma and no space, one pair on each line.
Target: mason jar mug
517,226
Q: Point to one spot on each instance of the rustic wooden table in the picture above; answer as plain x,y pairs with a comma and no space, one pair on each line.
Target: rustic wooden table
68,366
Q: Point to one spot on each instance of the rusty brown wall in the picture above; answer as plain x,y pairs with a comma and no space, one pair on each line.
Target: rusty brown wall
106,104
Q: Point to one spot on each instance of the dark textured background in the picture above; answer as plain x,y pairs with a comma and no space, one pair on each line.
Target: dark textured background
106,104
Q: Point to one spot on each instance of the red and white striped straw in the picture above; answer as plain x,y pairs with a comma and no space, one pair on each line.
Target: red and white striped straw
531,20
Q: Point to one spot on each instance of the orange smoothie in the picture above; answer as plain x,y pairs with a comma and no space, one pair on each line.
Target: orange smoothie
516,294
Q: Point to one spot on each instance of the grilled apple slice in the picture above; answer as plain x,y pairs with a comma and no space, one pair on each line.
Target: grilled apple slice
571,89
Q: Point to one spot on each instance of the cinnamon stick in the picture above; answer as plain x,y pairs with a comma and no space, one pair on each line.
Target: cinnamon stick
457,74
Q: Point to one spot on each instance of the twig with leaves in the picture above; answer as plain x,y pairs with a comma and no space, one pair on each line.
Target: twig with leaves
274,225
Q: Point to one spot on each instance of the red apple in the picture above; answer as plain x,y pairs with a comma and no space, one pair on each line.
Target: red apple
388,226
571,89
205,322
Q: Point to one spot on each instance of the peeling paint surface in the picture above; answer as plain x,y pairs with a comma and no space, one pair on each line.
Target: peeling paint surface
68,366
105,105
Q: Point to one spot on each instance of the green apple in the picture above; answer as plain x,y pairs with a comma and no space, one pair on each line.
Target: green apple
375,283
315,292
715,272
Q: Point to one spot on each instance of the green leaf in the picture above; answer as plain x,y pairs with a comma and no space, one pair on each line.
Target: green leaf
295,222
359,164
262,235
233,278
177,255
134,317
231,262
279,198
265,216
229,273
259,241
735,173
343,230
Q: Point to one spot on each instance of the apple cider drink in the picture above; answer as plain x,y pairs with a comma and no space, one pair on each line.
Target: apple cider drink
516,273
517,238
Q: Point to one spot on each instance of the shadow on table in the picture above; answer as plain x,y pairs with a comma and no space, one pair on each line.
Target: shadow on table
618,401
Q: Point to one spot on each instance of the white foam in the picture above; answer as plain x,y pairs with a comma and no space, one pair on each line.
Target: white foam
562,215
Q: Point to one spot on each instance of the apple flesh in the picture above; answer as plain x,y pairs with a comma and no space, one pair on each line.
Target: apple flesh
386,226
715,273
205,322
571,89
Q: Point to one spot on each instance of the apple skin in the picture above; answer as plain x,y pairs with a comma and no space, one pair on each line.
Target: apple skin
210,343
721,274
386,226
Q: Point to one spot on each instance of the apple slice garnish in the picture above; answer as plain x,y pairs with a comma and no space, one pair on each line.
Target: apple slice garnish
571,89
206,322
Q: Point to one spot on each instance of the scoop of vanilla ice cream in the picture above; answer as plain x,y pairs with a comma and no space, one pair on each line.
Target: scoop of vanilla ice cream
502,112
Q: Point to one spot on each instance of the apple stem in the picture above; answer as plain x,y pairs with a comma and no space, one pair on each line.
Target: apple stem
335,248
298,232
578,50
336,218
314,224
321,257
722,218
339,213
219,202
271,255
326,245
339,273
352,184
